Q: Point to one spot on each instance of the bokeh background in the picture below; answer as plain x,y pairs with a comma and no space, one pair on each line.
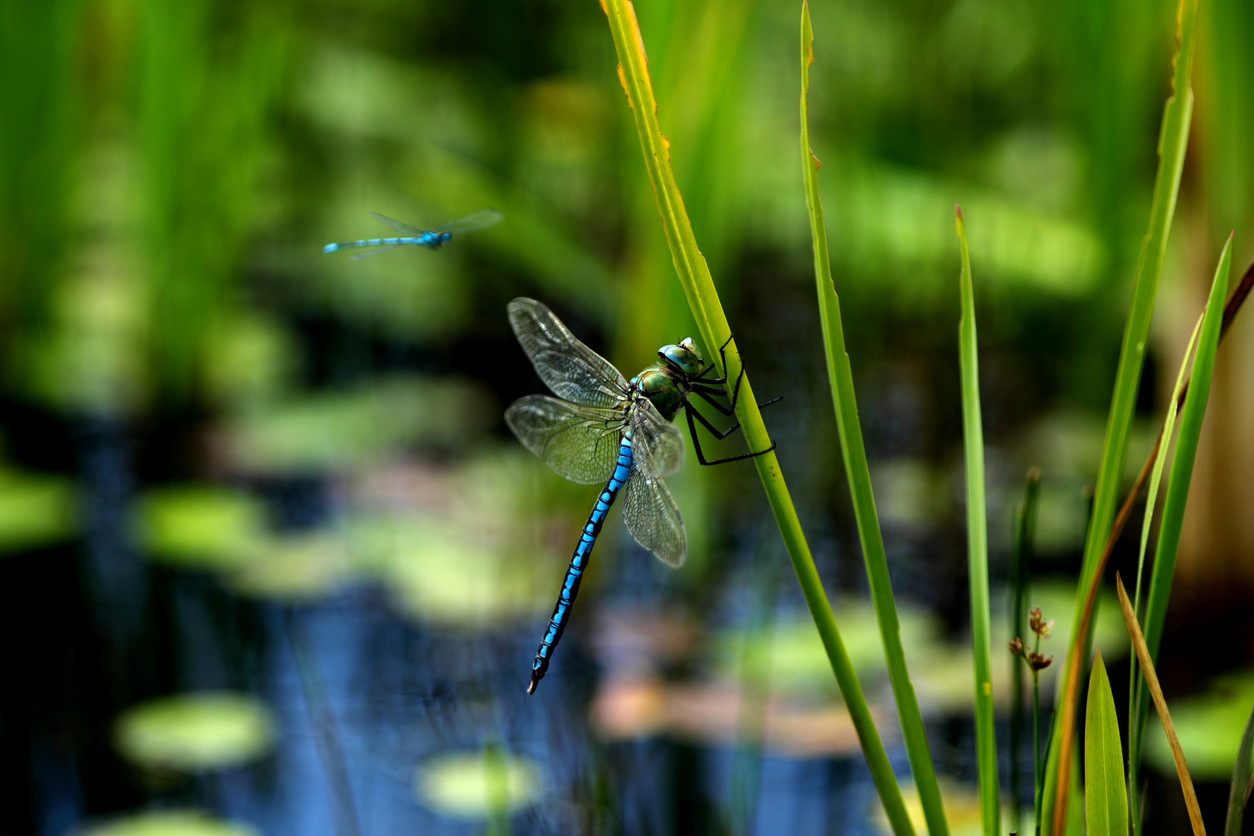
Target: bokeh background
271,561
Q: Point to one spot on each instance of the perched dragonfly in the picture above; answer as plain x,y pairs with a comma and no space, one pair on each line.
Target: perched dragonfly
603,428
433,238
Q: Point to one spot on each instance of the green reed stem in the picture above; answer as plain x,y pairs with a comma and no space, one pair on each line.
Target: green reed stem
694,277
858,473
1020,580
1173,140
977,547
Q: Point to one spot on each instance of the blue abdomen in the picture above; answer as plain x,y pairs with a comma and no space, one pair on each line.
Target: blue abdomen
579,562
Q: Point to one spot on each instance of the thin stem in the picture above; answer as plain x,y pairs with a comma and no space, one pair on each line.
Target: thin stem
1038,768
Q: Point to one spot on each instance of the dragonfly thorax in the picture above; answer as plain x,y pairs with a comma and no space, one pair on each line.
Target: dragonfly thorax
659,386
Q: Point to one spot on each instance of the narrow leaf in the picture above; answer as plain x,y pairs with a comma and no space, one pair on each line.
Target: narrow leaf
1178,484
977,546
1105,802
1241,775
1151,500
857,471
1151,682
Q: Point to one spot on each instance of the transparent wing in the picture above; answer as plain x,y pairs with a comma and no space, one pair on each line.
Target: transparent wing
367,253
653,518
404,229
657,443
573,371
478,220
580,443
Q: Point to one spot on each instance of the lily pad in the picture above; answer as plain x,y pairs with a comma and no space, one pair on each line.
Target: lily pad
446,572
798,662
35,510
201,527
296,569
1209,726
171,823
207,730
474,786
354,429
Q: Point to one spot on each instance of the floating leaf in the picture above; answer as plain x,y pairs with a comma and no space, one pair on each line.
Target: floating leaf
35,510
171,823
472,786
208,730
352,429
294,569
1209,725
201,527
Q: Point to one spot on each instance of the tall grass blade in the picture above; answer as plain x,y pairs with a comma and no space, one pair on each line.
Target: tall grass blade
1105,803
858,473
1173,140
1178,484
1151,501
694,277
1241,776
977,546
1151,682
1020,581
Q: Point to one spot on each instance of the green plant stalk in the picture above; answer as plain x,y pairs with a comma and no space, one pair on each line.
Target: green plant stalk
977,546
1173,140
1151,500
1178,486
1038,768
858,473
1020,576
694,277
1105,802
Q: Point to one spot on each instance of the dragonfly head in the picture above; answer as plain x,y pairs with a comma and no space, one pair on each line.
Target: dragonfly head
684,358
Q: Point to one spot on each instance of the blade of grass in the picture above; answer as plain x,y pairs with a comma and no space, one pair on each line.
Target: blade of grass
1020,578
977,545
1241,775
1105,803
1231,309
1151,500
1151,682
694,277
1173,140
858,473
1178,485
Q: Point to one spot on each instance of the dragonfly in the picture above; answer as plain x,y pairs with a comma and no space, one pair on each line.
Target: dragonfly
433,238
602,428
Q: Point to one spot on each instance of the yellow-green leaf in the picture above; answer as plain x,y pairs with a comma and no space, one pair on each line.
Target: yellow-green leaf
1105,798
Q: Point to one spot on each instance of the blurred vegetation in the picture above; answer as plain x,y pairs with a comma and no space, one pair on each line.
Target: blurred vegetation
186,378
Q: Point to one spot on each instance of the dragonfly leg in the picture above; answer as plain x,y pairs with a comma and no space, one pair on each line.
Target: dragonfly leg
690,411
707,393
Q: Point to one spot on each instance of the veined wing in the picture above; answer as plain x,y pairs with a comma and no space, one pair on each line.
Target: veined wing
477,220
573,371
403,228
657,445
580,443
653,518
367,253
